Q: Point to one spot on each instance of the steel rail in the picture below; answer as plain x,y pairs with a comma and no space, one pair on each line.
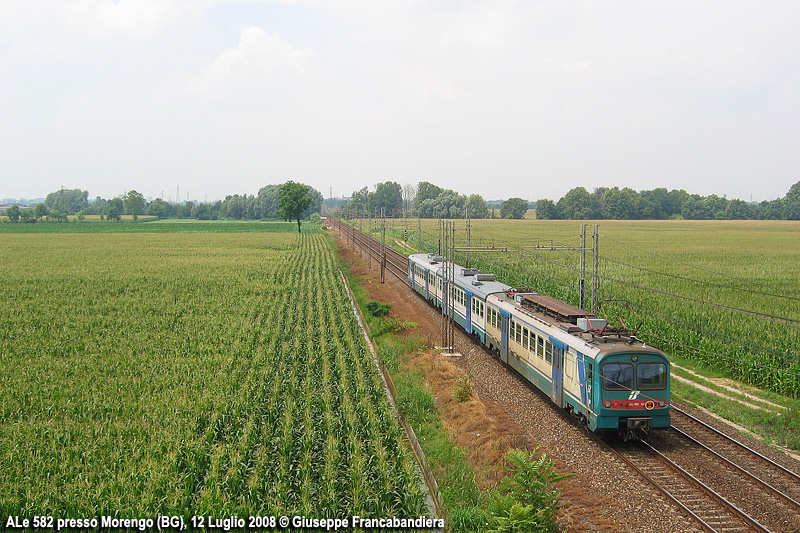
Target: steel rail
759,482
780,467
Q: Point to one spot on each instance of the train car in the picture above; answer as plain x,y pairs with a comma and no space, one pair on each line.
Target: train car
611,381
471,287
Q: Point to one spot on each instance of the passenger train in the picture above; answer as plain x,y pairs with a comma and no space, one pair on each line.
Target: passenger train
612,381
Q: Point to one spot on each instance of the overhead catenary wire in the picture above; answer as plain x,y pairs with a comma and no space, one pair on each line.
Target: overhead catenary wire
702,282
749,345
789,322
723,356
698,267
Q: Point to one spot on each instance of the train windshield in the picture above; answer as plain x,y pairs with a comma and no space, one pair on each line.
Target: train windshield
651,376
618,376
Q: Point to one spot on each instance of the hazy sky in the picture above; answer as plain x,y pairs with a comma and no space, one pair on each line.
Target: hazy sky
505,98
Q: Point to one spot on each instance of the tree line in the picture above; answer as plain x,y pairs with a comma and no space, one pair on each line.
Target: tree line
426,200
656,204
266,204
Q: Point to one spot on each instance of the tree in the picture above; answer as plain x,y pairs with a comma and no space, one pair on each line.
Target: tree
737,210
547,210
41,211
68,201
13,213
514,208
694,208
389,196
134,203
293,200
201,212
159,208
409,194
266,201
316,202
578,204
791,204
476,206
112,212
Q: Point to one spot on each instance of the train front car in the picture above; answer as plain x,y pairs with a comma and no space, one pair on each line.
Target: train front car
631,393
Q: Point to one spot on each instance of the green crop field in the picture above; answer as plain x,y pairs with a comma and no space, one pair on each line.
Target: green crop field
189,369
722,294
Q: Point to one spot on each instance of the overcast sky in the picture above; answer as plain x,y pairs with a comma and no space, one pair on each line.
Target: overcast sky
527,98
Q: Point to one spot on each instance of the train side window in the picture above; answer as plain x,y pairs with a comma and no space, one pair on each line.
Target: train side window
618,376
525,338
548,352
540,346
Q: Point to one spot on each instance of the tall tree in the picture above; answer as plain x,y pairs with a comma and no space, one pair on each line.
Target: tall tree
409,195
68,201
389,196
514,208
547,210
134,203
578,204
426,190
293,200
476,206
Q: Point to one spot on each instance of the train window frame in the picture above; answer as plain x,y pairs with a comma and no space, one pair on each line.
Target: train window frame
642,382
616,384
570,364
548,352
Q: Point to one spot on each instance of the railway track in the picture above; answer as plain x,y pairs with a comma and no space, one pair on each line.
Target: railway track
708,509
760,486
709,487
394,262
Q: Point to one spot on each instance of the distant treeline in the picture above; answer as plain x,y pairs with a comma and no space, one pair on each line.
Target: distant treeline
426,200
627,204
64,202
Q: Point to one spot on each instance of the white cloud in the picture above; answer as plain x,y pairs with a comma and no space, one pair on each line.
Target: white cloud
262,66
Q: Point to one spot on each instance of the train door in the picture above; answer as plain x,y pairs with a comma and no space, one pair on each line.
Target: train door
558,372
504,317
468,307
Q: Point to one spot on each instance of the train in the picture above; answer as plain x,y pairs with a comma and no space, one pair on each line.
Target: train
611,381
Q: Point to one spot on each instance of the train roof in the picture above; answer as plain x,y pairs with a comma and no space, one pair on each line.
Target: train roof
542,310
473,280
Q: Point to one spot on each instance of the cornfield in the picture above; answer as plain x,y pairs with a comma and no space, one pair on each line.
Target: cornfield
200,373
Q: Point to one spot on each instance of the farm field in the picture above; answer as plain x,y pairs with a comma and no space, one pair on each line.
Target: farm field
722,294
189,369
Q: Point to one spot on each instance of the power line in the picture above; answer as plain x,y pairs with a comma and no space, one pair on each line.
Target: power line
722,274
786,356
701,281
791,322
749,362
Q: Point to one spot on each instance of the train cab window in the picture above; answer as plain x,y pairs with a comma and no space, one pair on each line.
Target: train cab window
651,376
618,376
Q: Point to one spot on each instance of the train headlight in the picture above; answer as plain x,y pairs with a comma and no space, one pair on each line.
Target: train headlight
662,403
607,403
